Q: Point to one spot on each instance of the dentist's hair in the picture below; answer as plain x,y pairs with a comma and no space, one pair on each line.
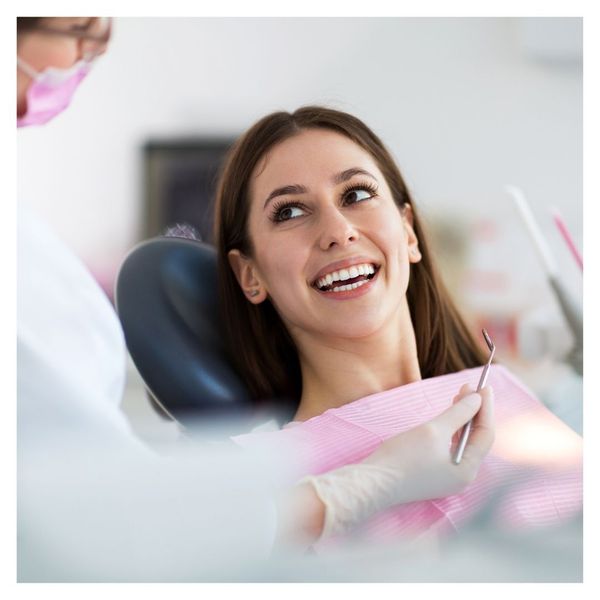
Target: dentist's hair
259,345
25,24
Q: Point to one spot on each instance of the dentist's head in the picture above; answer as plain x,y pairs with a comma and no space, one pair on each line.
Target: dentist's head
54,54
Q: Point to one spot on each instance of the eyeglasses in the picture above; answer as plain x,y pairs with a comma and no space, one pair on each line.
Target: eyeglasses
93,36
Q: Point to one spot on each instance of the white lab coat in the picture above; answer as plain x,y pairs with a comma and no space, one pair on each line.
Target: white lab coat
71,357
94,503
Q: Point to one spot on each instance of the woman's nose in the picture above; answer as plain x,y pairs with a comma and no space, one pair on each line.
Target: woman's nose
336,229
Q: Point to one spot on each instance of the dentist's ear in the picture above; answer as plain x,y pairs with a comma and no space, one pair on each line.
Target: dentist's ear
245,273
414,254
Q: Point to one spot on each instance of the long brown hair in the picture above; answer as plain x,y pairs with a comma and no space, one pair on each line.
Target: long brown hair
259,345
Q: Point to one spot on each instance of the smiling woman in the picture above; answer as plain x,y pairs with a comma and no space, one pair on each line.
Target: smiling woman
328,289
331,300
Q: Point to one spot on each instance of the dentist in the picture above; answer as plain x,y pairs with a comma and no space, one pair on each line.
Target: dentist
95,504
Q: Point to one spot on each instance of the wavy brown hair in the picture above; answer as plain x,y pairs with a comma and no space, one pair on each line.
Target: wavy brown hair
259,345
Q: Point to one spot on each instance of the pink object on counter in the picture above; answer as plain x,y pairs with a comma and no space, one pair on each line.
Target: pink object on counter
533,472
562,228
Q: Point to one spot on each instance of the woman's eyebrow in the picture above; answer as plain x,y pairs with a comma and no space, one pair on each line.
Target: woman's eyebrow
349,173
284,191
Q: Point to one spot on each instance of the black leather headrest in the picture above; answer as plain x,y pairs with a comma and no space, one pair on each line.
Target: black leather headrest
166,298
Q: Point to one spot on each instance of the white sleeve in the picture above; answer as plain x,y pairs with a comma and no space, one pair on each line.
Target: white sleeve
104,515
94,503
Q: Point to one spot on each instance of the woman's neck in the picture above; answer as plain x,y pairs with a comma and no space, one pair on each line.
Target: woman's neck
337,372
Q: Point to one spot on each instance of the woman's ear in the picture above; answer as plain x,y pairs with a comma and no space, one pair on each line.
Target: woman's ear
414,254
247,277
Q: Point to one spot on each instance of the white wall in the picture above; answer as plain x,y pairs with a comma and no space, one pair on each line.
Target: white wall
463,103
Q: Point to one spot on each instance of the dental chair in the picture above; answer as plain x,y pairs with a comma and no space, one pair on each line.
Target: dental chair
166,299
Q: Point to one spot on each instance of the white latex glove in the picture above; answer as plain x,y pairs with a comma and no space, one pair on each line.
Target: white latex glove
413,465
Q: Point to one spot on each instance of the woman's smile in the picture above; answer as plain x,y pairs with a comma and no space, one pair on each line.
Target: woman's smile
347,281
350,291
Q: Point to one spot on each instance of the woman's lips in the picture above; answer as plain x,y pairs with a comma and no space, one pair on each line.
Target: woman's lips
360,290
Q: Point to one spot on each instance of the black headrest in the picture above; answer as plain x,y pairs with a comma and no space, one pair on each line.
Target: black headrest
166,298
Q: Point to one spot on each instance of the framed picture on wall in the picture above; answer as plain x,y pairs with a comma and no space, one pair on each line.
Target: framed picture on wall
180,178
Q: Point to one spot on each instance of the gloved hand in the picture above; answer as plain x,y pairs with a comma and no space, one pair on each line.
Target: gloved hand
413,465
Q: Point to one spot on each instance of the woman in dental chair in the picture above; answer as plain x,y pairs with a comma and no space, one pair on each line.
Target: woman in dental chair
331,298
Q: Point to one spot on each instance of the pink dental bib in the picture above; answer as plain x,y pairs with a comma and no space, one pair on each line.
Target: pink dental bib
531,477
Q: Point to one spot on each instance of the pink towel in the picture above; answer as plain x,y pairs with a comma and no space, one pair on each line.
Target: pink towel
533,472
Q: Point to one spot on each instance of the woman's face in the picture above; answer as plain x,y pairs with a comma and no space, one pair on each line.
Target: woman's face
331,247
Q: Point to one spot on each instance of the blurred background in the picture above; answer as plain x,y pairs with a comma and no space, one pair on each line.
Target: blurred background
466,105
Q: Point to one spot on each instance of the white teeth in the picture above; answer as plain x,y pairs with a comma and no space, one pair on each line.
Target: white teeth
350,286
344,274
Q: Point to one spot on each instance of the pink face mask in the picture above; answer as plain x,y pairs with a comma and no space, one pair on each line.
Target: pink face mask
50,91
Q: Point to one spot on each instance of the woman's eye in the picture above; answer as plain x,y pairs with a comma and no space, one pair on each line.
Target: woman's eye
358,195
288,212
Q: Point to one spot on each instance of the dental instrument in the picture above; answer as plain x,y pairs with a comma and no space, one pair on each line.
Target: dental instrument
567,237
464,436
534,231
571,309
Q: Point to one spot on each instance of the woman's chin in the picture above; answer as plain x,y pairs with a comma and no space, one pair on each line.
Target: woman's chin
353,331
